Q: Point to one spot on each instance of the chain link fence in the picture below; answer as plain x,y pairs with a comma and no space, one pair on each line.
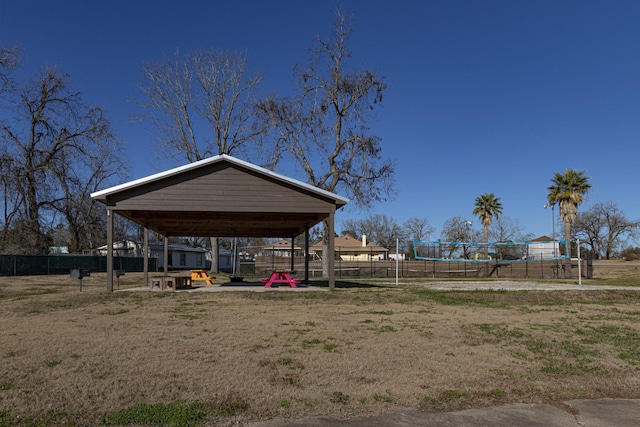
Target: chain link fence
26,265
442,269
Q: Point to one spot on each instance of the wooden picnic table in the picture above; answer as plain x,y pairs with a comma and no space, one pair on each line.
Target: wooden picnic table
280,277
201,275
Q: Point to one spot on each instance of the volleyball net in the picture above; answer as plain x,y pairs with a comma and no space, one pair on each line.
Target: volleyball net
491,251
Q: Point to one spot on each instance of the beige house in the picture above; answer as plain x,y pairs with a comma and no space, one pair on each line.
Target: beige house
351,249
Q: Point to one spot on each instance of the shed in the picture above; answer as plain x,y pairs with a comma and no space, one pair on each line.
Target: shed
220,196
543,247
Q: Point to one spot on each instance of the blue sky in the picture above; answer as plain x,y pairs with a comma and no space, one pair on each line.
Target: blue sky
484,96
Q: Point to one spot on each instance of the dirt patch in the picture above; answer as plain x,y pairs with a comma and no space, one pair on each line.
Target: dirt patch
71,357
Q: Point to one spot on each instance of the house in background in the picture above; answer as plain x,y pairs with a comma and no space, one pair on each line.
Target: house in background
122,248
351,249
543,247
58,250
281,248
181,257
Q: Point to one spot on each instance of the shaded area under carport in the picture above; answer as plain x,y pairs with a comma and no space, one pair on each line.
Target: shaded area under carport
220,196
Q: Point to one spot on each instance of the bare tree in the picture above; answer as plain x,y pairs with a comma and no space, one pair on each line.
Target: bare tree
9,59
380,229
86,226
323,128
603,227
506,229
49,148
202,104
457,231
417,228
384,230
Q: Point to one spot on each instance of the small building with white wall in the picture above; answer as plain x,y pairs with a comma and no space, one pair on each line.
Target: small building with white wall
543,247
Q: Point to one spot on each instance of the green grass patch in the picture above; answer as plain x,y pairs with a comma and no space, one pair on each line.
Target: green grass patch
449,395
290,363
496,392
329,347
383,397
6,420
285,403
488,299
563,350
175,414
291,380
384,328
310,343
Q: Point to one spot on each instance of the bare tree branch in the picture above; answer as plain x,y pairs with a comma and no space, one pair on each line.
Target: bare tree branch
53,148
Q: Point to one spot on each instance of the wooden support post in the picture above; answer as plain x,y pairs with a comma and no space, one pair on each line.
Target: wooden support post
145,262
110,250
293,252
166,255
331,252
306,256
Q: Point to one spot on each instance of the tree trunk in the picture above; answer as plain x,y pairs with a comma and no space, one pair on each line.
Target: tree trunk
567,237
486,241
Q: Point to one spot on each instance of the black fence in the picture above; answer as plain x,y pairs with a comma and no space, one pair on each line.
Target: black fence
533,269
26,265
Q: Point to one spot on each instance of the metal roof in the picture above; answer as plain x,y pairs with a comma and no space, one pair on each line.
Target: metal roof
102,194
223,197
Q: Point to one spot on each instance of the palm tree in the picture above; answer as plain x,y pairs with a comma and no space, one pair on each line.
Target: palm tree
568,190
486,207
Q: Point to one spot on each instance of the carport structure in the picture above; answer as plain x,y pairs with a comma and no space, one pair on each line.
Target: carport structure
220,196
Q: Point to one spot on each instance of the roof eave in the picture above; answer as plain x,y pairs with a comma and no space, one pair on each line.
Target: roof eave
102,195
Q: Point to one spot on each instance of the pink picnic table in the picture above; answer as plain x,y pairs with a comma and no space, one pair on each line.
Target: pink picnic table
280,277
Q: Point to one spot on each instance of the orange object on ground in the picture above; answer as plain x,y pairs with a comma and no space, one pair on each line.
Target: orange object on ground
201,275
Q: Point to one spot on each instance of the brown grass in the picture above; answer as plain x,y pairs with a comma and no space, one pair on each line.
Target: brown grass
70,357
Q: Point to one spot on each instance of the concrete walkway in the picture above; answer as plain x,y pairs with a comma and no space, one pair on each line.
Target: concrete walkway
584,413
435,285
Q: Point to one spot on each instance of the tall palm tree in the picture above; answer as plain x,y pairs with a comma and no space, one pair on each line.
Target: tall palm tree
568,190
486,207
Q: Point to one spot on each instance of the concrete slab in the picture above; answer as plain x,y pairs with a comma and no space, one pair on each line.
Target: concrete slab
590,413
233,287
607,412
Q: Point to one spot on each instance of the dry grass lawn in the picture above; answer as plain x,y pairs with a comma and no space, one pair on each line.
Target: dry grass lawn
70,358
